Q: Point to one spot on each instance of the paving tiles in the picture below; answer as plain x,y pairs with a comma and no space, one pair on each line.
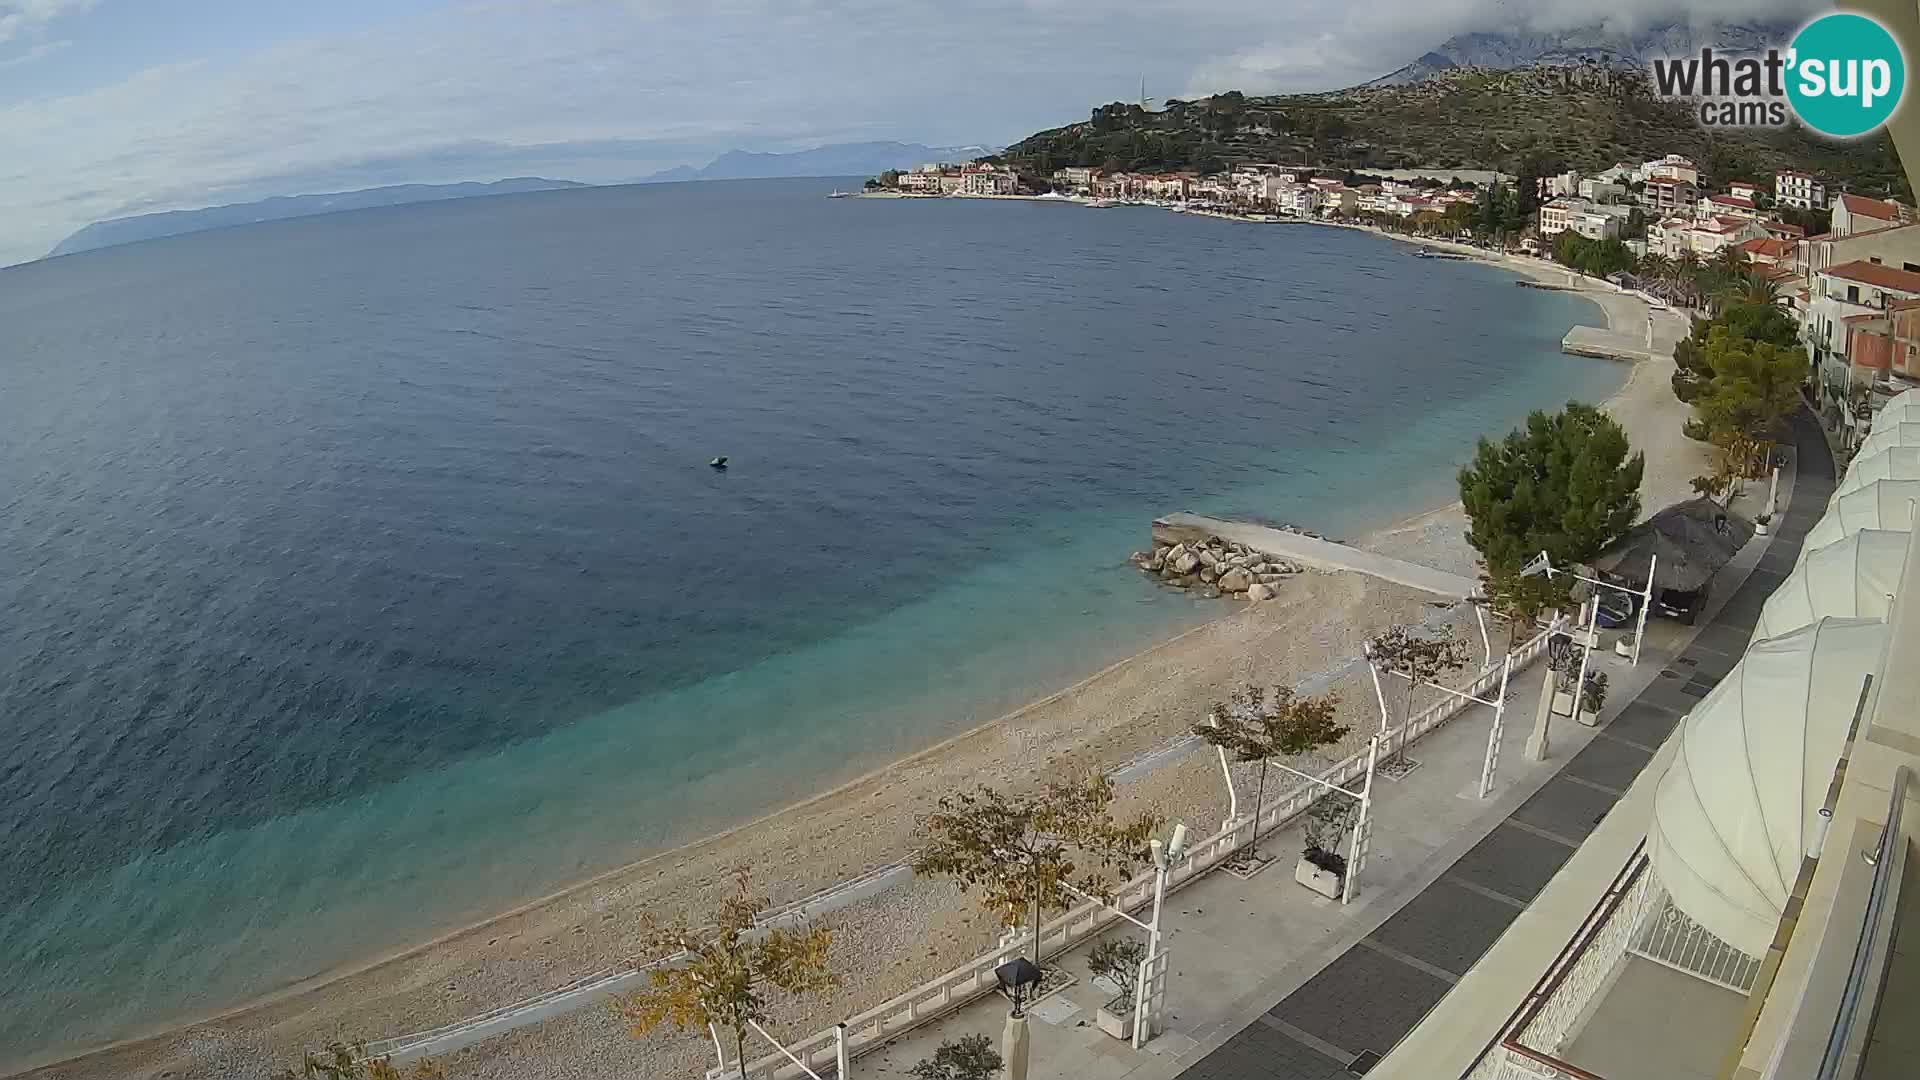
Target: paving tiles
1643,724
1513,862
1261,1053
1609,762
1364,1000
1566,808
1448,926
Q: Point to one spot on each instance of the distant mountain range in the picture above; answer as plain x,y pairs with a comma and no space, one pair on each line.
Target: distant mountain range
126,230
840,159
1585,45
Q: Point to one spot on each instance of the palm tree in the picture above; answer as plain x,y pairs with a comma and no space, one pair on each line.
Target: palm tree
1753,287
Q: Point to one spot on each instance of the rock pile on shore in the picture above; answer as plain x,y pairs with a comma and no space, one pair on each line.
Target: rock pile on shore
1216,567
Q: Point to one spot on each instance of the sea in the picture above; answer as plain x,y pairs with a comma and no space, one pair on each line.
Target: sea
363,575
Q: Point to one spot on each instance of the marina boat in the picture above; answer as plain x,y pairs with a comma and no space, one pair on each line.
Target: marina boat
836,193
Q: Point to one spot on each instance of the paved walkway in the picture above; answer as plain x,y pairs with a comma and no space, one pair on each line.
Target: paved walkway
1322,554
1271,982
1356,1008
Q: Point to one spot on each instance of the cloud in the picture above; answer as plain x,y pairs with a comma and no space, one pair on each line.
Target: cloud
20,18
45,48
1354,43
607,90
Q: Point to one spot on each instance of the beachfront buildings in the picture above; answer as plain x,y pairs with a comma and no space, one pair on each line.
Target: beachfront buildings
1842,298
988,180
1798,189
1579,216
1676,237
1668,195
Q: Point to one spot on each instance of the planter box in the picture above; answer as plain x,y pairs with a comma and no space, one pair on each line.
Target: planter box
1590,719
1759,529
1115,1018
1562,703
1623,647
1325,882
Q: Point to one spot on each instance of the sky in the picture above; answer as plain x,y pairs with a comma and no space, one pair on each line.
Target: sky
116,107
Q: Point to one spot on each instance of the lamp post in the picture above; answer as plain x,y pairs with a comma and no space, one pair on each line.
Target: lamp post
1017,977
1150,987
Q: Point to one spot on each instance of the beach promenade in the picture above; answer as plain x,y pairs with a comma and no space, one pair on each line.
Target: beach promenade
1270,982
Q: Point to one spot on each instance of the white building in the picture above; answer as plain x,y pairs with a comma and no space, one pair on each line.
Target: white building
1857,214
1578,216
1596,190
987,180
1672,167
1793,188
1731,205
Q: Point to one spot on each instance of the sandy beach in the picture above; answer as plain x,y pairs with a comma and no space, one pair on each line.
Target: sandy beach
893,941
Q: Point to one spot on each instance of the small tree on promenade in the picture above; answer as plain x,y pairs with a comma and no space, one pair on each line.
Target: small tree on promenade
1022,851
1418,660
724,980
1260,727
1564,484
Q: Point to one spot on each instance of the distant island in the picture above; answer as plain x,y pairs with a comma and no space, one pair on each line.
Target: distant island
127,230
840,159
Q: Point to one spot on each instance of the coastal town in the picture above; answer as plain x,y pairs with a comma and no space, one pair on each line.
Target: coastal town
1845,265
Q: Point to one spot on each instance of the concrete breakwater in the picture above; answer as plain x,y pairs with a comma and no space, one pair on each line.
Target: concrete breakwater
1214,566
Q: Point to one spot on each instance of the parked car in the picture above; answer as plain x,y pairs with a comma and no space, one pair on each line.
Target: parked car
1617,609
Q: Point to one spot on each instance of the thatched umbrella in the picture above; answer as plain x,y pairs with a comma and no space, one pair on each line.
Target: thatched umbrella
1692,541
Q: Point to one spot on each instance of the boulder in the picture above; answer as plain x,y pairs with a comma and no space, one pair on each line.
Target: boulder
1208,557
1235,580
1140,558
1270,578
1213,592
1185,581
1207,575
1259,591
1184,563
1157,563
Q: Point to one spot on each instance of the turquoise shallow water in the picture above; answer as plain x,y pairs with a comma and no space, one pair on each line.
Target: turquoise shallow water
365,575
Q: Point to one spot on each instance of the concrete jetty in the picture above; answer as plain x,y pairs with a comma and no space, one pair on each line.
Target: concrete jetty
1309,551
1606,344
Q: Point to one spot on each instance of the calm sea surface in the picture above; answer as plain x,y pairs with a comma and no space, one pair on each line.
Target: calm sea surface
364,574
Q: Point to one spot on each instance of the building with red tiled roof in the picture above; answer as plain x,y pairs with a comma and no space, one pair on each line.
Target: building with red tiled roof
1857,213
1766,250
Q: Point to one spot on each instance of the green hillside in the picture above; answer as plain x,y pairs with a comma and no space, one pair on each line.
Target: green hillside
1552,117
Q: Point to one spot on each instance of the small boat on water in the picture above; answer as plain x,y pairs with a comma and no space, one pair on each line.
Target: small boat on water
1100,204
836,193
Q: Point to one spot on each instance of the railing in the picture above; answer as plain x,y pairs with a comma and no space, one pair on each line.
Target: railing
962,985
975,979
1873,953
1667,936
1526,1047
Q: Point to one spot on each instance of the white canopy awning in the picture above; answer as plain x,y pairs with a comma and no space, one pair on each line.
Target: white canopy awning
1851,578
1883,504
1893,434
1737,807
1893,463
1902,406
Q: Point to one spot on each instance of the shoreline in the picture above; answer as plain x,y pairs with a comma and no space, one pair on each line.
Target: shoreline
1170,653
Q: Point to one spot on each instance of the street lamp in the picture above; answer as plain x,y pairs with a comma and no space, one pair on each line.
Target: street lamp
1017,977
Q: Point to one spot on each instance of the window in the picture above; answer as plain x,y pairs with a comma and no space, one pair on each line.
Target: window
1853,294
1874,259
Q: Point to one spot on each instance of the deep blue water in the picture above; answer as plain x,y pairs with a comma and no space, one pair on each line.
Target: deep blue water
364,574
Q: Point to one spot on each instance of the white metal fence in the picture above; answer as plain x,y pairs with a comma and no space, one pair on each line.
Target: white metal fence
1667,936
952,990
